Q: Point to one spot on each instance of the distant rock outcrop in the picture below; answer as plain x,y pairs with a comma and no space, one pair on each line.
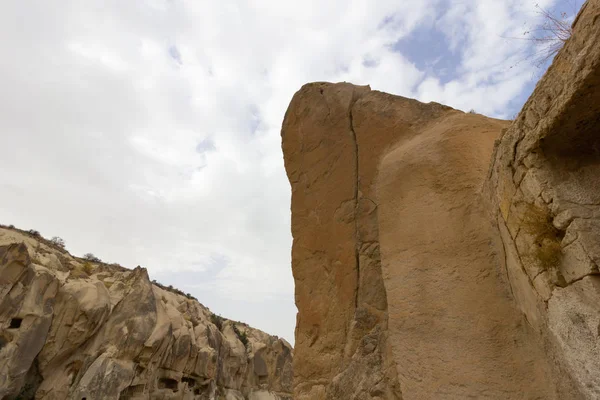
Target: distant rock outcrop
74,329
422,272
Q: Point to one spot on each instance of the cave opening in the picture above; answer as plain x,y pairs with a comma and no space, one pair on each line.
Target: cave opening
15,323
168,383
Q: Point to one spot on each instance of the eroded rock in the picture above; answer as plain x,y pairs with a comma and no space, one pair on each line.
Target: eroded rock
74,329
422,272
544,187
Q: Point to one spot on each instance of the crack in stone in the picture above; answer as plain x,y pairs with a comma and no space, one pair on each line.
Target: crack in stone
520,261
505,258
586,275
356,185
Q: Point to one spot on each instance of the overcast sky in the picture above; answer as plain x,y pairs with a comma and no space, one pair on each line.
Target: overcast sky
147,132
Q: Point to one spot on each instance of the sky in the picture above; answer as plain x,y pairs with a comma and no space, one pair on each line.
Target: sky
147,132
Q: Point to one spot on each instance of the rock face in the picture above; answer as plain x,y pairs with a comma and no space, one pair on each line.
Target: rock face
395,261
341,330
544,187
422,272
71,329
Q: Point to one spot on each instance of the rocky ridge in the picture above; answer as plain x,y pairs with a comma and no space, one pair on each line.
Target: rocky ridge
75,329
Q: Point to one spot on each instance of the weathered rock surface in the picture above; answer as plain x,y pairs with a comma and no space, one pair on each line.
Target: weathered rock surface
341,329
454,329
71,329
405,287
394,257
544,187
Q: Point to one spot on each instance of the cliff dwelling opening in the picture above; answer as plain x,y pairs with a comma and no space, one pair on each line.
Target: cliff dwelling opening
15,323
191,382
168,383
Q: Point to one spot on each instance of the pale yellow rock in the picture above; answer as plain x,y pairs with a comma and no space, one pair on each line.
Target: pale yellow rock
70,329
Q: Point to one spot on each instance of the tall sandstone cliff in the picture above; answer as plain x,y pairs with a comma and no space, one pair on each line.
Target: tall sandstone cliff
73,329
444,255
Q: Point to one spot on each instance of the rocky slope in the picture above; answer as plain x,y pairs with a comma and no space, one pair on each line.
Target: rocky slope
422,272
74,329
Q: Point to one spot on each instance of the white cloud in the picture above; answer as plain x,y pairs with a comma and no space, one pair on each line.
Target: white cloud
496,63
147,132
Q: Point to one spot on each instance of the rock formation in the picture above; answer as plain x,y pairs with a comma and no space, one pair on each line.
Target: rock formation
74,329
421,271
437,255
544,187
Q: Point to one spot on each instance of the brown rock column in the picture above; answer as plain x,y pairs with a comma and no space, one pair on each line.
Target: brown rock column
398,269
334,136
544,191
320,158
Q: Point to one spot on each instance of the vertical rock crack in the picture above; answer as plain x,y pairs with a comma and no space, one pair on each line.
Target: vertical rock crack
356,202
